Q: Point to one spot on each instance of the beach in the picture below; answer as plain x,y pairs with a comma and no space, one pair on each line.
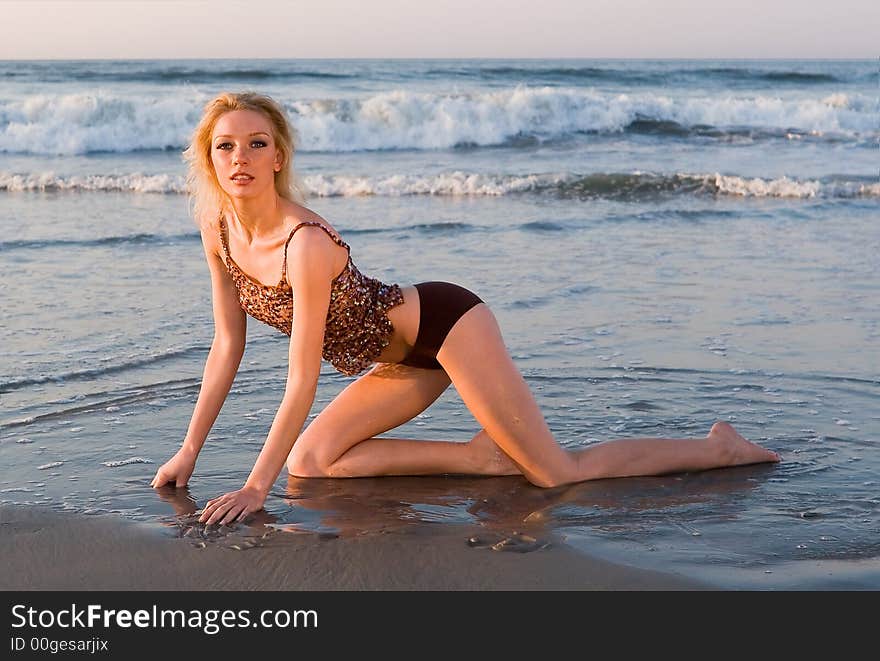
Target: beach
44,550
665,244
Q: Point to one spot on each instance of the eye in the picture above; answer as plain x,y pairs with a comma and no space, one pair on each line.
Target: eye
259,143
223,145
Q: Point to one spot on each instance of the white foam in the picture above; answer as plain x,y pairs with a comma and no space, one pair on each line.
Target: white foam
836,101
756,187
125,462
53,464
786,187
402,119
109,121
128,183
452,183
456,183
99,121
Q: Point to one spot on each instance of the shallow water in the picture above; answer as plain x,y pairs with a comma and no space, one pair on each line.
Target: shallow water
640,294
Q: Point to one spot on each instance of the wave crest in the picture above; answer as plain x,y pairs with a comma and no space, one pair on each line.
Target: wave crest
634,185
103,122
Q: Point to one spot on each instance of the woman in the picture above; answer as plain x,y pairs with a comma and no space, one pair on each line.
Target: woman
418,339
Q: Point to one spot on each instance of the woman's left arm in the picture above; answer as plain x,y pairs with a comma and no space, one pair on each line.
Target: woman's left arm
310,261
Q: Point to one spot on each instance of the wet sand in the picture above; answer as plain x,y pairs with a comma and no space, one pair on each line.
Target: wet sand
48,550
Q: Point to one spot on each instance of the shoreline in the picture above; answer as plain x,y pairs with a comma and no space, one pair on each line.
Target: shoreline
48,550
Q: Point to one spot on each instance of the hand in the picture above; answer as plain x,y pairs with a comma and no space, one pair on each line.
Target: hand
233,506
176,470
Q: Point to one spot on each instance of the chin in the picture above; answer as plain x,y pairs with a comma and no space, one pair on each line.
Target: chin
239,194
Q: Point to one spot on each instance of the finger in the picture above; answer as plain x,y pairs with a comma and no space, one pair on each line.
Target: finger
219,499
233,513
181,482
206,513
219,512
158,480
210,506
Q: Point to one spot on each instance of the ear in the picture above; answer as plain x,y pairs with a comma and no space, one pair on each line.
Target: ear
279,160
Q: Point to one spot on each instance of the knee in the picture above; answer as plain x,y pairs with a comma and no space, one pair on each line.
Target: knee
305,462
547,480
546,483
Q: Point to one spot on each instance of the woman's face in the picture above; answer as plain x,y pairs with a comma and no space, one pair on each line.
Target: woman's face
244,154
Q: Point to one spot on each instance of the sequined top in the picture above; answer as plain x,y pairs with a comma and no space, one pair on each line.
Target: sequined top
357,327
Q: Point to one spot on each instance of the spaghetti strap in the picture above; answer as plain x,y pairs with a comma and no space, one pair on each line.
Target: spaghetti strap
310,223
223,239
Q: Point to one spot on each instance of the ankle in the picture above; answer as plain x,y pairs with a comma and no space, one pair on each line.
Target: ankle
722,451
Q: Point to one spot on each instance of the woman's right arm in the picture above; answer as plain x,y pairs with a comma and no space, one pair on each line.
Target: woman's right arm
221,366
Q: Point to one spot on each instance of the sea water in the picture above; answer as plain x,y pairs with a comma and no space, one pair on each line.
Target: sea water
664,243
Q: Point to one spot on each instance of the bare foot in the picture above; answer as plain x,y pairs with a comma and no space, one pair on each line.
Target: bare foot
737,450
489,459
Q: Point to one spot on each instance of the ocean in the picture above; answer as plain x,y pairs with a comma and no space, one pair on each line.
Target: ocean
665,244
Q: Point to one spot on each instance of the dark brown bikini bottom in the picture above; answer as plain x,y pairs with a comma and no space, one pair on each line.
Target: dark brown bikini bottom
441,304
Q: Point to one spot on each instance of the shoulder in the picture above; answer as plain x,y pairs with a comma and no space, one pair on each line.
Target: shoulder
297,214
311,256
310,242
308,227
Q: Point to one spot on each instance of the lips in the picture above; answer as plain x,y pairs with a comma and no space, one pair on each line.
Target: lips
241,177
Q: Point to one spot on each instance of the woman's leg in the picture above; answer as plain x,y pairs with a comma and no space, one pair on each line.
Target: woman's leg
339,441
476,360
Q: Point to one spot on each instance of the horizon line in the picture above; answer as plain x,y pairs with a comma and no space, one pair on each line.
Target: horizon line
237,59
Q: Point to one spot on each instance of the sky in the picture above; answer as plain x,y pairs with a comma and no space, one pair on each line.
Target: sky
151,29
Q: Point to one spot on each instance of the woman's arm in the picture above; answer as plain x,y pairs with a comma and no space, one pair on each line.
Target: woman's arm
311,260
221,366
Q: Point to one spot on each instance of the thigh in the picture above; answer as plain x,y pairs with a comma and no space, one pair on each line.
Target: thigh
384,398
495,392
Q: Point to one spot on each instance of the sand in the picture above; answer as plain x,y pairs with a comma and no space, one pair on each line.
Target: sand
48,550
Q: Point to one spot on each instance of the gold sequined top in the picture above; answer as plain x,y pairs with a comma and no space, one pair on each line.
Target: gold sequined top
357,328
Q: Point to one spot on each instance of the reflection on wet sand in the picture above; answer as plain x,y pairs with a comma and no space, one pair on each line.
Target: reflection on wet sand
504,509
499,513
185,523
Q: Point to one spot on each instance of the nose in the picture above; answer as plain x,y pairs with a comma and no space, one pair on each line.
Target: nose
238,156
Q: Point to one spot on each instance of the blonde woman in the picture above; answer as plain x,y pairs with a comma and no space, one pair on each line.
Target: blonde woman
273,258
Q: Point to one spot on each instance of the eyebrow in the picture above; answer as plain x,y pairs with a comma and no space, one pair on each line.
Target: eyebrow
250,134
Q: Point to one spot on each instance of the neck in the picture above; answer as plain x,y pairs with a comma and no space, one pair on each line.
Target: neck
258,217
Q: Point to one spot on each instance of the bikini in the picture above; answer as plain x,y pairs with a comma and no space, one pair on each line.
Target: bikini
357,328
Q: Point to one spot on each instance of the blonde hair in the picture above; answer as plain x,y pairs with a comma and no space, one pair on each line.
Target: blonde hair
208,199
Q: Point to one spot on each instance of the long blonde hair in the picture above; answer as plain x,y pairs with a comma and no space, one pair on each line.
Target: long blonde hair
207,198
